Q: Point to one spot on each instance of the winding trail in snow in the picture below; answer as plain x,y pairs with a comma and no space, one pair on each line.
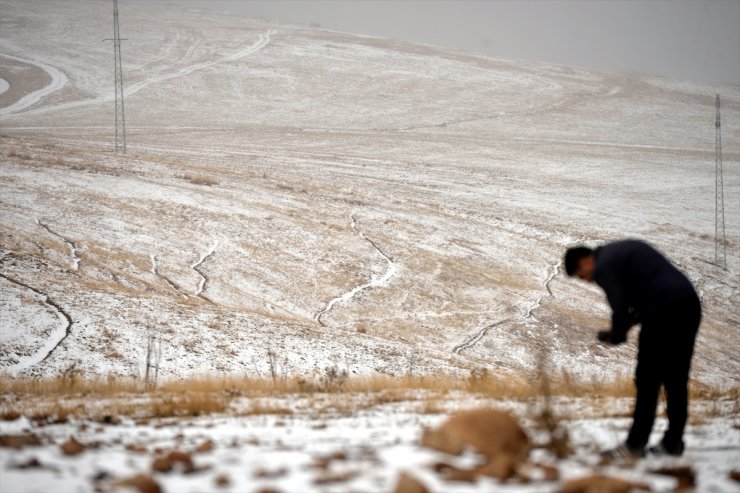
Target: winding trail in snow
204,277
548,291
72,245
262,41
393,268
54,340
58,81
473,340
167,280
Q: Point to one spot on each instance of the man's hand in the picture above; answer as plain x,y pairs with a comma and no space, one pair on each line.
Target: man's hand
607,337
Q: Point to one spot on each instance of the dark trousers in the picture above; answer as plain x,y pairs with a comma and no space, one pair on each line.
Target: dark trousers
664,358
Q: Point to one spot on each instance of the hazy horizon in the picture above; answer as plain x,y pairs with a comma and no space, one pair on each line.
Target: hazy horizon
691,40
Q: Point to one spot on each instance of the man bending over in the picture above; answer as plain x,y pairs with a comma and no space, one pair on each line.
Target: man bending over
643,287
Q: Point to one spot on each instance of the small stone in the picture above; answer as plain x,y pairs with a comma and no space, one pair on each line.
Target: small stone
222,480
338,477
409,484
32,463
340,456
101,476
162,464
19,441
320,463
177,456
206,446
182,458
72,447
142,482
137,449
264,473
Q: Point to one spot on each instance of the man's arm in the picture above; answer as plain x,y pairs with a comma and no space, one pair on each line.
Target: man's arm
621,318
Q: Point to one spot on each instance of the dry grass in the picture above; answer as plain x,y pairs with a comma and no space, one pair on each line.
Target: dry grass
23,154
199,179
71,395
56,160
68,384
156,406
481,383
258,407
187,404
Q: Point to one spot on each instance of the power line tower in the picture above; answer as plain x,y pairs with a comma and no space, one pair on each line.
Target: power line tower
120,115
720,258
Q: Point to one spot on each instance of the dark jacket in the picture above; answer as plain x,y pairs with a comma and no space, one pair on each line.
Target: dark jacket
638,281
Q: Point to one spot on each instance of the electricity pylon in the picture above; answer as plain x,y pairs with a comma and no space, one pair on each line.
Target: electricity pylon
720,243
120,115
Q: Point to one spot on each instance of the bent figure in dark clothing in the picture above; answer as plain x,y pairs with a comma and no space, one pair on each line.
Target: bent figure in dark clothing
643,287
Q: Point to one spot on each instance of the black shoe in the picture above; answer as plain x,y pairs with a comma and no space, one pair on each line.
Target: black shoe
623,453
661,450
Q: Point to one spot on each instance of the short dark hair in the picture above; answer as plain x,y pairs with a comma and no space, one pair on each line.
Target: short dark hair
573,256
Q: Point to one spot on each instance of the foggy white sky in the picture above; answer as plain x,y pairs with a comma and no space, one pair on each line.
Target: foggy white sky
681,39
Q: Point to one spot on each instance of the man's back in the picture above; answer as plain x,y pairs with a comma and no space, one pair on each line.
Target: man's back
636,276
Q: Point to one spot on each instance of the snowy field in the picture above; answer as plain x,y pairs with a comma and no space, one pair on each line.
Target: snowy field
295,200
338,200
365,450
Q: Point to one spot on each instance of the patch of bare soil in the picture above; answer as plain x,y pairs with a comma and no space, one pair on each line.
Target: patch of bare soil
23,79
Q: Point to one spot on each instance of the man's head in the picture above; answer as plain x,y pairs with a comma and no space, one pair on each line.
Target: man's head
580,262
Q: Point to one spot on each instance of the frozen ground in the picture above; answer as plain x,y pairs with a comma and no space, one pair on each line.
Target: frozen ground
364,450
337,200
295,199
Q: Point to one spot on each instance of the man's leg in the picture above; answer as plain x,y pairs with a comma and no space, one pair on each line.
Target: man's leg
647,381
685,320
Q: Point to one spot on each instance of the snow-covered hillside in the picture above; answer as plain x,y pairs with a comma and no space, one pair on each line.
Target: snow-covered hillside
335,200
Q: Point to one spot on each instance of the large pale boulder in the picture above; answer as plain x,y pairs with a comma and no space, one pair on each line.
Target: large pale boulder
494,434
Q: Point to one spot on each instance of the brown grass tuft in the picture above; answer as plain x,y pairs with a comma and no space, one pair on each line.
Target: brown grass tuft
199,179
